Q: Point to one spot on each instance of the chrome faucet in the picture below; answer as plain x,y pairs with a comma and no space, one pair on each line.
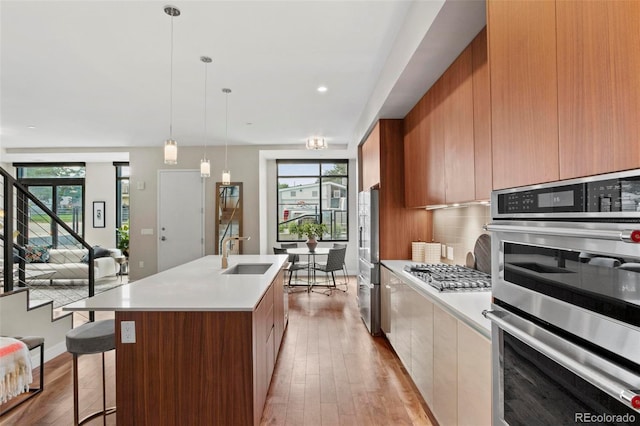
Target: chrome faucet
225,252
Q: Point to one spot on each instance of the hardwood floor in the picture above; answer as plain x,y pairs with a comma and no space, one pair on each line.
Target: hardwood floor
330,372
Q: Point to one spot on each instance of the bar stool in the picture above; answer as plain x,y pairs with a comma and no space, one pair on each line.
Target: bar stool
91,338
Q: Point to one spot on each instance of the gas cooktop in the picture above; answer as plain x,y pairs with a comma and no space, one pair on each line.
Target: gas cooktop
450,277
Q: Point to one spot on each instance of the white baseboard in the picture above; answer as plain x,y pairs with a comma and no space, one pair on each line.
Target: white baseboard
49,353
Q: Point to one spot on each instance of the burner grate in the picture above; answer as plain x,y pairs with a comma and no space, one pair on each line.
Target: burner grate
450,277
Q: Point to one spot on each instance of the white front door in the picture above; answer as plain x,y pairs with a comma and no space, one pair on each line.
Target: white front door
180,217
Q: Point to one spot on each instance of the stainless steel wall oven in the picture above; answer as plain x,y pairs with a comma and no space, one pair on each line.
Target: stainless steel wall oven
566,302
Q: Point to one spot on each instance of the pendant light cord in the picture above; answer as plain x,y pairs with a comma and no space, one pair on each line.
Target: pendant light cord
226,128
171,85
205,111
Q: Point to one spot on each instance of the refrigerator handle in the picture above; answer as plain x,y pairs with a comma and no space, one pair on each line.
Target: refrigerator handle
360,236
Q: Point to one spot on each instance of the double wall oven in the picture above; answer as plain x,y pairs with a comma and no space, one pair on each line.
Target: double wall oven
566,302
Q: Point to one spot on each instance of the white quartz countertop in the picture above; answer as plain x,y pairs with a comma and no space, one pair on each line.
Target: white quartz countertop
199,285
465,306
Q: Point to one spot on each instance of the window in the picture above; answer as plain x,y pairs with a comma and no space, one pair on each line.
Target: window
60,187
320,193
122,194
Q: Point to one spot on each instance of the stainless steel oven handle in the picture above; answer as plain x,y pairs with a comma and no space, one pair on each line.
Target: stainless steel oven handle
628,236
609,385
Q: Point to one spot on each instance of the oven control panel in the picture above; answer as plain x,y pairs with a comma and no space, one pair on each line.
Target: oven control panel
606,195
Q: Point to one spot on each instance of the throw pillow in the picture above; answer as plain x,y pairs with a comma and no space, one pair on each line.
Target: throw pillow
97,252
36,254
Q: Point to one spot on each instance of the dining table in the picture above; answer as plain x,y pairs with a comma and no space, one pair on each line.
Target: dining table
311,261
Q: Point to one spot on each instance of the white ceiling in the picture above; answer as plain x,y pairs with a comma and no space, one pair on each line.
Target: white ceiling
94,75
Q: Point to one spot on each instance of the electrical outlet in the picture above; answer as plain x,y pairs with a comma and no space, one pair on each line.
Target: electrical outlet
443,250
141,264
128,331
450,253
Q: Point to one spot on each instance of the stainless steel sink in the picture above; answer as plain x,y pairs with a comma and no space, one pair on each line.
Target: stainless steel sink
248,269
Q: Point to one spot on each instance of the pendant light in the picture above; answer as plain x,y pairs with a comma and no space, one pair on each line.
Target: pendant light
170,145
226,173
205,165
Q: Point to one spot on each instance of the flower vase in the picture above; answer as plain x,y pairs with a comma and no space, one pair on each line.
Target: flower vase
312,243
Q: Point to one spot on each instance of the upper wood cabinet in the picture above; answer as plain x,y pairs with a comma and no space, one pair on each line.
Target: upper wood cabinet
598,86
524,92
481,117
424,151
370,160
447,139
457,121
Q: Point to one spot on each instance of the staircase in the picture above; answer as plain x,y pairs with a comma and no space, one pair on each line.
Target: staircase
21,317
27,228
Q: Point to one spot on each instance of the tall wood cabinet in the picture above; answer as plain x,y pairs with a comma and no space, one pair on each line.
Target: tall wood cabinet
398,225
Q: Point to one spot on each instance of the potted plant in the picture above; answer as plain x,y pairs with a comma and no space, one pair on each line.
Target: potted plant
311,230
123,239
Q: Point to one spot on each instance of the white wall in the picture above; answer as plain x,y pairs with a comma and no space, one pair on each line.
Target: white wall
100,185
248,166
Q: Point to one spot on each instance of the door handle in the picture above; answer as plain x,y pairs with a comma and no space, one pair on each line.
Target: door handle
163,238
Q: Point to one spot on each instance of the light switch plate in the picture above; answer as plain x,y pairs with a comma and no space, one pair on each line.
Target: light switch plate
450,253
146,231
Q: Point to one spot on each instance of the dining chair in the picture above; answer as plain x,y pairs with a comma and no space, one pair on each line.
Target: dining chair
344,264
294,266
335,260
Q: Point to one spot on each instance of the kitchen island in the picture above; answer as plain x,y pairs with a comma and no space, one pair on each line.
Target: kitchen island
205,341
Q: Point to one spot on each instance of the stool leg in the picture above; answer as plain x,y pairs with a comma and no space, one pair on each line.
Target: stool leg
104,394
75,390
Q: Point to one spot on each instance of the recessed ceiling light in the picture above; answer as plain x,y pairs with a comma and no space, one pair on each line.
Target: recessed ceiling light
322,89
31,127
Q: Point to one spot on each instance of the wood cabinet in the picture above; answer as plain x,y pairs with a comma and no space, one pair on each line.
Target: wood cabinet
200,367
524,92
370,160
442,163
481,118
598,86
398,225
280,309
263,348
449,362
457,120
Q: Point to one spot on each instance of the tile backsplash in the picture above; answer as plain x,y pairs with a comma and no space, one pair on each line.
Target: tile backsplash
458,229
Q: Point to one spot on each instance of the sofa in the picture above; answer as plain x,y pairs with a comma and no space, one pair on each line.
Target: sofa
71,264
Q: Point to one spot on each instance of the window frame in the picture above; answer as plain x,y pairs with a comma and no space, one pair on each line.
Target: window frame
54,183
320,176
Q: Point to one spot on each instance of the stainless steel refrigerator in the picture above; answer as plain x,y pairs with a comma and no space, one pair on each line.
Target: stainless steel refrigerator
369,262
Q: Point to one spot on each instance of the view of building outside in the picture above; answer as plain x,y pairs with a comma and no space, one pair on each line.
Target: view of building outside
315,192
